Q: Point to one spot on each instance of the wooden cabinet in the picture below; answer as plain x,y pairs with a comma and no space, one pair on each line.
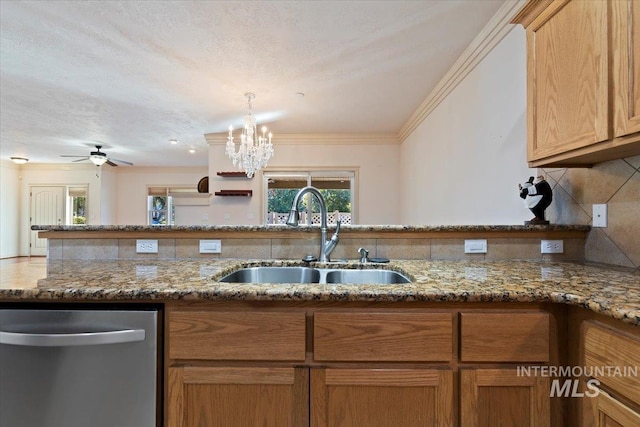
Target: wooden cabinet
337,365
382,397
504,337
502,397
583,95
617,401
238,397
625,42
368,396
379,337
273,393
608,412
237,335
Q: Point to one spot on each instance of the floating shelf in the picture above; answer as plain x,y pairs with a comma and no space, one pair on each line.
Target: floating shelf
245,193
238,174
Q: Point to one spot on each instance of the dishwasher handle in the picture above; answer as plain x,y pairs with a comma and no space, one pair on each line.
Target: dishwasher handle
71,340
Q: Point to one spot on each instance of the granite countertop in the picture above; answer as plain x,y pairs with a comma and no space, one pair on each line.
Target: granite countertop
602,290
314,229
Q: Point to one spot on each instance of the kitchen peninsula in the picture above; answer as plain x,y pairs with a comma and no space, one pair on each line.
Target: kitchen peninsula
441,350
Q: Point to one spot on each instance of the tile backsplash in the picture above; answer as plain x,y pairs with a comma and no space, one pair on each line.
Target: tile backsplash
616,183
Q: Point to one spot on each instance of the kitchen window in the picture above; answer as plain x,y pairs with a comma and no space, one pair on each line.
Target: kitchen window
336,186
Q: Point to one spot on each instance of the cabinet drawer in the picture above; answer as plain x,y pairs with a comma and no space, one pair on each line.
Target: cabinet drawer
236,335
385,337
504,337
604,349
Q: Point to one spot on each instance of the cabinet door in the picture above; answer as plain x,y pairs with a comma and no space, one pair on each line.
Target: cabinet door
381,397
626,66
500,397
608,412
567,84
230,397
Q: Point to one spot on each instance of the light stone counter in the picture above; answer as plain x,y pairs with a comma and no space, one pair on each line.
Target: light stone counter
602,290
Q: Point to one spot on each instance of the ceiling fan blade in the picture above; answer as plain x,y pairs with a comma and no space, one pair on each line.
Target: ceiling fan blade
69,155
121,161
110,163
81,160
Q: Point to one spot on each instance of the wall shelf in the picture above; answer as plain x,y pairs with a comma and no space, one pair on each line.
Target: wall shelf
241,193
237,174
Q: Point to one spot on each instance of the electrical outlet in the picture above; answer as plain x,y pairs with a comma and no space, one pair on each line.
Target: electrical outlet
210,246
551,246
600,215
475,246
146,246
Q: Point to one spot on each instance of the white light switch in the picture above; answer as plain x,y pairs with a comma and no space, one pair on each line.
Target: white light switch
600,215
210,246
476,246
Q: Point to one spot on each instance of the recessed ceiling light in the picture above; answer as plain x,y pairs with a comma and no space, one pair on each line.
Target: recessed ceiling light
300,94
173,141
192,150
19,160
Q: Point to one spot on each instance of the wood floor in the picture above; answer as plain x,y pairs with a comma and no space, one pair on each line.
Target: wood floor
22,272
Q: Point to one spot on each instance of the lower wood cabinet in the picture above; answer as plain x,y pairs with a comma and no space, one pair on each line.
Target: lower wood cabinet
604,411
382,397
238,397
338,366
501,397
617,401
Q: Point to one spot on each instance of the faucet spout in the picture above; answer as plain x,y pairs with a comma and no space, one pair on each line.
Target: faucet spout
326,246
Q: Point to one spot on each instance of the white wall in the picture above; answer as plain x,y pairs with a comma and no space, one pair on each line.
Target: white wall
108,195
132,183
9,209
462,165
377,166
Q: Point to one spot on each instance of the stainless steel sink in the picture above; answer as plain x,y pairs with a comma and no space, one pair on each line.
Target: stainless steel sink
273,275
365,276
314,275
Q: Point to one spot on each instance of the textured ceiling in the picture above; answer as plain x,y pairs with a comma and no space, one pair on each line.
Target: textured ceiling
134,74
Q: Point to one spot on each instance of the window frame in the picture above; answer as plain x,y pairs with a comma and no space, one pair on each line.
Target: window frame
350,173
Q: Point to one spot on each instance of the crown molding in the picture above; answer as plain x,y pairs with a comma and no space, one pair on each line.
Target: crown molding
8,164
318,139
495,30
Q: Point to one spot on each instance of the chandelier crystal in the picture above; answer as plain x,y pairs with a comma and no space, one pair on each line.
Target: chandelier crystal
255,150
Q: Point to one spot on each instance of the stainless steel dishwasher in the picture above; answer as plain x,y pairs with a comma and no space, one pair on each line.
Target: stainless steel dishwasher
78,368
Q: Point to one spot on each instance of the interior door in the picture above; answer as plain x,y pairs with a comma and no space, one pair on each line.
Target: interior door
47,208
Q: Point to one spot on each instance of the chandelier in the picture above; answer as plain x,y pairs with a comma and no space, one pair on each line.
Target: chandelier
255,150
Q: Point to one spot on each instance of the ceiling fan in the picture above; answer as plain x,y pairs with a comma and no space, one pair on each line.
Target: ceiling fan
98,158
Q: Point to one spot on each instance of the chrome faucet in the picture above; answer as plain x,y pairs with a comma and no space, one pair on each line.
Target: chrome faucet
326,246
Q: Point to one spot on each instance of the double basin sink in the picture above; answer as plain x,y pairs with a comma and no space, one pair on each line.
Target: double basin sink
314,275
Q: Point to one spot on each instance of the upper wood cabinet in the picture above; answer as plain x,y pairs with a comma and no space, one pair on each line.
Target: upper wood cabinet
583,88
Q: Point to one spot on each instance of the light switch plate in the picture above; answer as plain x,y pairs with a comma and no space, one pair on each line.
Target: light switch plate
146,246
600,215
475,246
551,246
210,246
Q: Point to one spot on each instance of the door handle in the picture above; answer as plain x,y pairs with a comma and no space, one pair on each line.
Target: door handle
69,340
